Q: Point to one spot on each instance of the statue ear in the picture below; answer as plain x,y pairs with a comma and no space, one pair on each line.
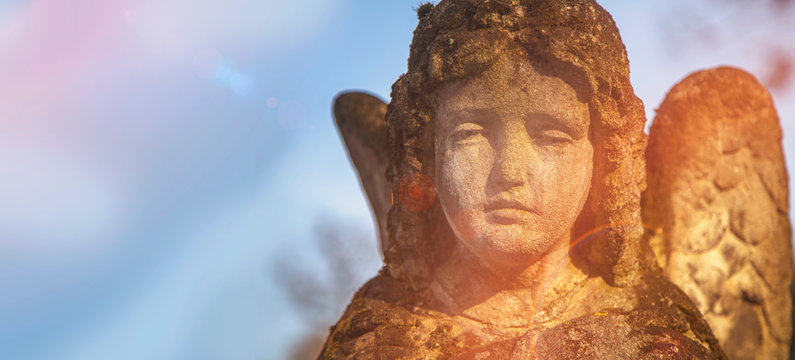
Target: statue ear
361,121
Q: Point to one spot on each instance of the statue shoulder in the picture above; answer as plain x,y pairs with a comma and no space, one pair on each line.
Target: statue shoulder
646,333
376,323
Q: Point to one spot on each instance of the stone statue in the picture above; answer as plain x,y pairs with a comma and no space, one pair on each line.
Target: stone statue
510,214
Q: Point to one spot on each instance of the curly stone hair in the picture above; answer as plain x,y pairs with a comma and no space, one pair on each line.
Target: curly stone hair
576,40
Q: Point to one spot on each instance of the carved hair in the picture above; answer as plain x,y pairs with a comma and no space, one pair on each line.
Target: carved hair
575,40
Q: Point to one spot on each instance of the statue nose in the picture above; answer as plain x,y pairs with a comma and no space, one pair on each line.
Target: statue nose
517,160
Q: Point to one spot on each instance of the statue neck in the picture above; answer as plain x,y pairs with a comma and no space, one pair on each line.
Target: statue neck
467,287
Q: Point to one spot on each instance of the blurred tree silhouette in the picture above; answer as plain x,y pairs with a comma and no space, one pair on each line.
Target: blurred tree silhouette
320,294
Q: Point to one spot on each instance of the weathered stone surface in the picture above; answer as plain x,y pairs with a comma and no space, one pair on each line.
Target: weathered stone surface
715,163
615,334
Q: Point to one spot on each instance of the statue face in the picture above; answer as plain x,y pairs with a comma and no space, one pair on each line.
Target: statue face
513,162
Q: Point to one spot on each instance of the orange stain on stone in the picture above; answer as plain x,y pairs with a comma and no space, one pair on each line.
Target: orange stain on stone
417,192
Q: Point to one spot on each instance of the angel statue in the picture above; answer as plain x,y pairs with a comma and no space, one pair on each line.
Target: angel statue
507,178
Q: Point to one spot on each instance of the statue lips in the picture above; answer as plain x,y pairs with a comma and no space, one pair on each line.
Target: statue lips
507,211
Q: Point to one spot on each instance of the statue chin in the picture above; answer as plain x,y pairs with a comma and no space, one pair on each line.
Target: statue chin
506,248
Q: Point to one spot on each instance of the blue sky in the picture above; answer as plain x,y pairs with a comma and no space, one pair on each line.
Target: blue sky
160,158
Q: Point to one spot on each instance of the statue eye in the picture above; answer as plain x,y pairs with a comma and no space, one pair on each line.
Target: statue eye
554,137
466,133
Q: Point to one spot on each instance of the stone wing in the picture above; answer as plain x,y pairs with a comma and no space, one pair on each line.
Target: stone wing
361,120
716,208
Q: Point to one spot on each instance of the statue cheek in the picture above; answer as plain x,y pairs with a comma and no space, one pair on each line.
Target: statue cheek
587,161
464,223
463,174
449,181
571,181
581,179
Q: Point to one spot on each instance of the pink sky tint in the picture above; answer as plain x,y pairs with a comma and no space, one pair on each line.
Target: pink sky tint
49,46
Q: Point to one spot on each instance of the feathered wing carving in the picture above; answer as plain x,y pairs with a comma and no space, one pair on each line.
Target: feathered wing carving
716,208
361,120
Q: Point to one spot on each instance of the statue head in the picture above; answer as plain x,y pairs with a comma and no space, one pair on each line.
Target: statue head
519,115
